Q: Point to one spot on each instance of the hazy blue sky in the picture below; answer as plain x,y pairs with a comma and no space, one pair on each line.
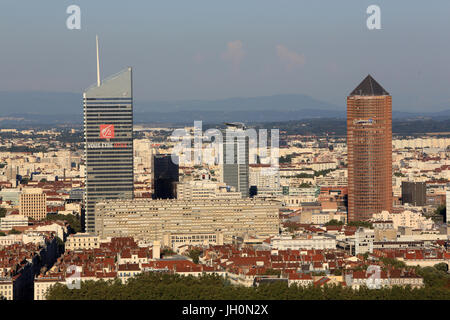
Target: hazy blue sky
208,49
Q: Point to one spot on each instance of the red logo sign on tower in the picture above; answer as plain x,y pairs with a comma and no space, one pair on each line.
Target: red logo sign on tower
106,131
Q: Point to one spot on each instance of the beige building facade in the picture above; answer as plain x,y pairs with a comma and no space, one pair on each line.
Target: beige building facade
175,240
6,289
81,241
150,219
33,203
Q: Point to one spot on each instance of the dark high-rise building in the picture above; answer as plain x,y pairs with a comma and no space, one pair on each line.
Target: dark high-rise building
414,193
369,149
108,137
253,191
165,176
235,161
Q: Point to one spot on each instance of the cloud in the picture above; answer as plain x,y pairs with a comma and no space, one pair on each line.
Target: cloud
234,53
290,59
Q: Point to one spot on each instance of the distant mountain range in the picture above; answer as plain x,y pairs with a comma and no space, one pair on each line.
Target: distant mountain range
53,108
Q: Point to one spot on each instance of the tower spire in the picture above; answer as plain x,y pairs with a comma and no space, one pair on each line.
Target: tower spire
98,63
369,87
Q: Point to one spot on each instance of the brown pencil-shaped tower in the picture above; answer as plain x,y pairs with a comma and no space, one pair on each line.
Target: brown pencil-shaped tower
369,149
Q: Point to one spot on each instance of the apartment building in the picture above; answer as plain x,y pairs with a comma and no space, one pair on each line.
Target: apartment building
198,190
6,289
406,218
150,219
176,240
33,203
311,242
13,220
263,176
81,241
42,285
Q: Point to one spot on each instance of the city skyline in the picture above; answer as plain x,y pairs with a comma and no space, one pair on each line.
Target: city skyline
292,58
283,195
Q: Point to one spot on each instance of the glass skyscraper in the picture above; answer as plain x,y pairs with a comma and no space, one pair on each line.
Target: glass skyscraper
235,161
108,137
165,176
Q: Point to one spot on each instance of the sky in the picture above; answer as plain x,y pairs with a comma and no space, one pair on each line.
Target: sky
207,49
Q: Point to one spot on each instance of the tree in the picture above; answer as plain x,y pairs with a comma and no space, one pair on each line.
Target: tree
164,286
2,212
440,210
60,244
304,175
434,277
2,234
167,252
305,185
393,262
334,222
291,226
441,266
364,224
194,254
14,231
285,159
72,220
323,172
338,272
272,272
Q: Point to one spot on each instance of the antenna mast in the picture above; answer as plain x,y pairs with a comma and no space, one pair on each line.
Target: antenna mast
98,64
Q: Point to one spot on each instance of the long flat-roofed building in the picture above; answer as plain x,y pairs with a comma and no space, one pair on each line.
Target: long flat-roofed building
150,219
81,241
108,137
14,220
198,190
